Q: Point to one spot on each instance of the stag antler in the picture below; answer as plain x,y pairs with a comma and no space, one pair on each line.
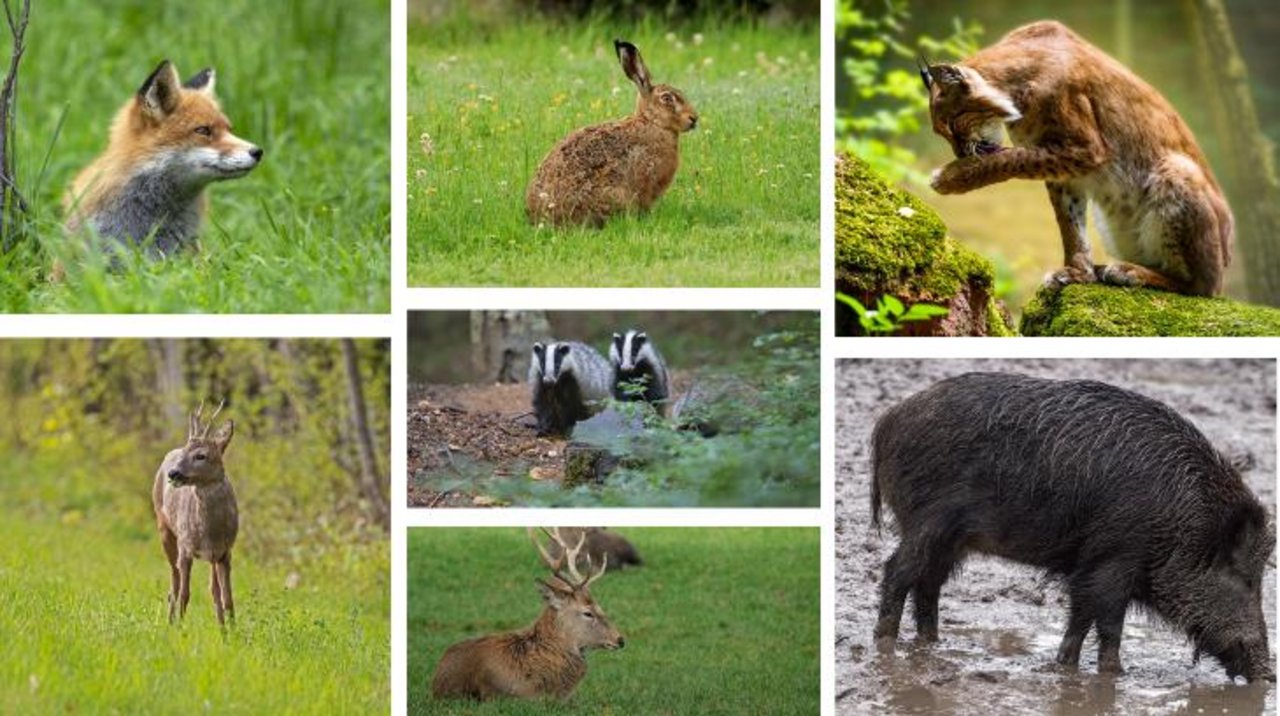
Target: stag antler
568,558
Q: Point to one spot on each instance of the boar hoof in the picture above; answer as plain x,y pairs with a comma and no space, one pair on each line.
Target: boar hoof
1110,667
885,644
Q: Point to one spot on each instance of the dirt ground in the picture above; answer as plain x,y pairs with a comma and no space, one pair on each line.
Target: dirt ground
455,425
465,430
1001,622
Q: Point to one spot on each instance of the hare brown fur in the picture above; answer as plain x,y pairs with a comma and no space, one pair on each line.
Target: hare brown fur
604,169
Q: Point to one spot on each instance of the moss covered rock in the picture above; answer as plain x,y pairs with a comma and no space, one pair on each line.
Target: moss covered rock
1098,310
890,242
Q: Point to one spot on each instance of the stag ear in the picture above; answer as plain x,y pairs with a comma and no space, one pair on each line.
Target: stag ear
554,592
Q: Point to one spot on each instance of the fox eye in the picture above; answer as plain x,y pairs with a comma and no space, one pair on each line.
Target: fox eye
204,130
200,457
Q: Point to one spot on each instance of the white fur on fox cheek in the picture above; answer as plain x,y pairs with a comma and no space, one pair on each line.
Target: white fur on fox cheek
208,161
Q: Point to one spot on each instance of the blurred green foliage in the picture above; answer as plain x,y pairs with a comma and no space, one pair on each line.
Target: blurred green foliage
885,100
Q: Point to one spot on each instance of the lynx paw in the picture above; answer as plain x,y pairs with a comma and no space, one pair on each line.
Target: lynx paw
1117,275
941,182
1069,275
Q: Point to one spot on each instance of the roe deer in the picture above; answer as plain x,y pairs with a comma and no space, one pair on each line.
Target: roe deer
547,658
196,512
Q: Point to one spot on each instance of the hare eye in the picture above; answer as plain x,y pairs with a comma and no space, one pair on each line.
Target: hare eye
668,100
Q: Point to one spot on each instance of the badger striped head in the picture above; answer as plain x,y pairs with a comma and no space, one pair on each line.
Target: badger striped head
630,349
549,362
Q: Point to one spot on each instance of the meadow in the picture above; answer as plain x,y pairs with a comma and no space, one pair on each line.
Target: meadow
307,80
83,576
82,607
717,621
486,103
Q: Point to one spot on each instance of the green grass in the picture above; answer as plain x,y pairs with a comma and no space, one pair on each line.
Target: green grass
82,610
486,104
718,621
308,80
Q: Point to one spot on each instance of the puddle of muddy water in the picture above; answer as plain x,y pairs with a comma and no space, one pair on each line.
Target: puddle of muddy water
1001,622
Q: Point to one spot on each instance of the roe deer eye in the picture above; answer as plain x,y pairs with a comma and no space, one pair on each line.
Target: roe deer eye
204,130
200,457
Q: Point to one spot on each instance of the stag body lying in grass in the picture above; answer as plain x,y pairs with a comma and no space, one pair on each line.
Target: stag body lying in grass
547,658
197,515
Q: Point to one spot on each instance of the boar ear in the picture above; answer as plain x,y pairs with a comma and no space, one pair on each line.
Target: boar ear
223,437
1247,538
202,81
159,94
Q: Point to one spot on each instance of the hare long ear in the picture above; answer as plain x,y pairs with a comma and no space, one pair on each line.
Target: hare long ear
633,65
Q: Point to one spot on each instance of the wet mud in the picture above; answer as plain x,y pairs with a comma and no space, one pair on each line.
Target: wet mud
1001,622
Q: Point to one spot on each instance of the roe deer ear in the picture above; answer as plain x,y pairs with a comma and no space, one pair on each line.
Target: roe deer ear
633,65
223,437
202,81
159,94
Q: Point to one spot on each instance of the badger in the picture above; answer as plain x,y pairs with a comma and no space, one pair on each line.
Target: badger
637,363
570,381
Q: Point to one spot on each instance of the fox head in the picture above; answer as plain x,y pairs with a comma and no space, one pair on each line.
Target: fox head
180,128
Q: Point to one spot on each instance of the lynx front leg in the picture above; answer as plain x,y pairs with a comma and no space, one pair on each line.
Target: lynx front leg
1048,165
1069,208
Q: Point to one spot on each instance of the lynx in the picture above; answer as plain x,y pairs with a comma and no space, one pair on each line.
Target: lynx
1093,132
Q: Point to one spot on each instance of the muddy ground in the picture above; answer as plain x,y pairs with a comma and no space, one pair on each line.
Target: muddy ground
1001,622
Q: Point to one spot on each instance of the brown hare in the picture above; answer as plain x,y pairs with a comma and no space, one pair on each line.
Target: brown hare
604,169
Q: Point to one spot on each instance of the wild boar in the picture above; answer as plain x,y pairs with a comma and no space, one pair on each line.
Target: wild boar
1112,492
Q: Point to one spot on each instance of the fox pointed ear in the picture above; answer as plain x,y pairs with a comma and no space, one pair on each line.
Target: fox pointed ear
223,437
633,65
159,94
202,81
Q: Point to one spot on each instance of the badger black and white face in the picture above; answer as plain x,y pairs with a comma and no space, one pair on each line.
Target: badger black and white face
549,362
631,349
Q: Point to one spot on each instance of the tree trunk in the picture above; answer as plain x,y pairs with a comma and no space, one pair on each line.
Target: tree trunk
169,379
370,482
1251,174
501,341
11,202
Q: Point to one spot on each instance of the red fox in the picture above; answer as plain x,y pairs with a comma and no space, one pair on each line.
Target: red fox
167,143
